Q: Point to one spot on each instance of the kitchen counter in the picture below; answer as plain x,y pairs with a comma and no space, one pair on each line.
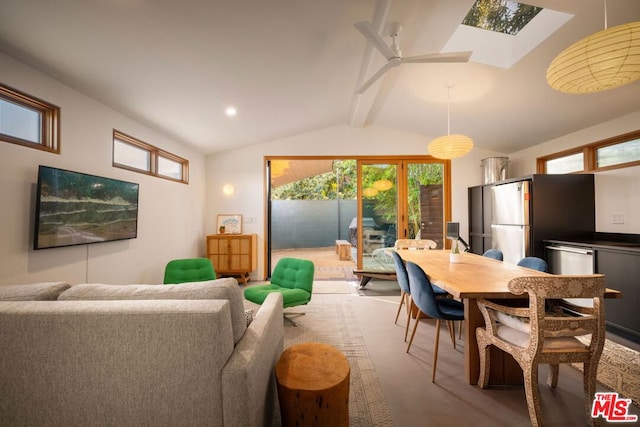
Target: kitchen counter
598,244
617,256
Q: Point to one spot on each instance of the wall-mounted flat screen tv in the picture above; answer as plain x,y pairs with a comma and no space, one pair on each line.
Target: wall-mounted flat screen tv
75,208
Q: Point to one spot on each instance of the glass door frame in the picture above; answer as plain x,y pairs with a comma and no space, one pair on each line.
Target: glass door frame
402,205
403,161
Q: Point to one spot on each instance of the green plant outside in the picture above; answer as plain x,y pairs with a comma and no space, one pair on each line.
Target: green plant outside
341,183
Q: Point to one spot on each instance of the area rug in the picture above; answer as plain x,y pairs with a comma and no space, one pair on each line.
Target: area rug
329,319
330,287
336,272
619,370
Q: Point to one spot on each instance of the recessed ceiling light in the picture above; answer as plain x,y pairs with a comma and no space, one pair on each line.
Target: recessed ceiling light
231,111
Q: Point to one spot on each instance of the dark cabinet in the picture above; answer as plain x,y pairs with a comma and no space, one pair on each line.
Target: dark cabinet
622,271
529,210
479,218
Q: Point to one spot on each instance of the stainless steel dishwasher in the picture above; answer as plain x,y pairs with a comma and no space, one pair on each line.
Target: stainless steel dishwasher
565,259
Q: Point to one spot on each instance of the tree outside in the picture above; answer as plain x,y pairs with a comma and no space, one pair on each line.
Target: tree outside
503,16
341,183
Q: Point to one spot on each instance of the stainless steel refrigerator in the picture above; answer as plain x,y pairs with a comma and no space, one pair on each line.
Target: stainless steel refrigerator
525,212
510,220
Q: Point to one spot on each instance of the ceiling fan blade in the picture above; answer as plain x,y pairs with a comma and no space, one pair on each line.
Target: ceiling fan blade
440,57
394,62
370,34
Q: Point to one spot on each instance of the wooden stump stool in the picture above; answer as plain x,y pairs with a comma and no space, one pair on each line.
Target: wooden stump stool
343,249
313,385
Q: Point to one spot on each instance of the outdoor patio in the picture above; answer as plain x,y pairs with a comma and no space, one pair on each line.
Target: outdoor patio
327,263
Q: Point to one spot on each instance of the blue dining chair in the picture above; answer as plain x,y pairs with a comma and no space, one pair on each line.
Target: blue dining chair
405,292
424,298
493,253
533,263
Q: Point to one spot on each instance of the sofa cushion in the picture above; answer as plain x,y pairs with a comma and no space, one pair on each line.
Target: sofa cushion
522,324
113,363
46,291
226,288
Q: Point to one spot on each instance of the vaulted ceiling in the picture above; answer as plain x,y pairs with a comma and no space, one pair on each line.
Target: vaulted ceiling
293,66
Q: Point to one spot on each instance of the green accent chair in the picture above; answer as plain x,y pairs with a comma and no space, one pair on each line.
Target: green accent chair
189,270
293,278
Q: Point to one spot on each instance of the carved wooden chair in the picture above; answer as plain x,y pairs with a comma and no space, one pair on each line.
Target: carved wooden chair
383,255
415,244
533,335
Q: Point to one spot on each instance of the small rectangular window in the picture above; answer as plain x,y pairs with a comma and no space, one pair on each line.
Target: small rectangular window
621,151
617,154
169,168
133,154
28,121
566,164
20,122
130,155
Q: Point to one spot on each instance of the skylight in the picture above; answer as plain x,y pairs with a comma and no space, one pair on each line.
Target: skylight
502,16
502,32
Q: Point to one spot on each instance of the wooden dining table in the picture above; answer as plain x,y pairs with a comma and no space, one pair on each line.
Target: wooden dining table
473,278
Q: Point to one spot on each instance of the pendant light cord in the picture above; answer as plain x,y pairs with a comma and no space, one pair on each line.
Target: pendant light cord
449,109
605,15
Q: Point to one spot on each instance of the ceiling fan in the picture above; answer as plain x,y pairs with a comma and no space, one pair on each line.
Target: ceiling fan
394,55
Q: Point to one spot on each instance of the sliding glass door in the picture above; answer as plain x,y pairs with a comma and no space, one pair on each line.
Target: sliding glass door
370,202
399,199
378,208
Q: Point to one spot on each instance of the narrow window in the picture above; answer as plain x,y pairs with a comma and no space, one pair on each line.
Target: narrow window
621,151
28,121
566,164
132,154
169,167
618,154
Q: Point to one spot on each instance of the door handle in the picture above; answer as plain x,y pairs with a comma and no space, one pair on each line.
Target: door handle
570,249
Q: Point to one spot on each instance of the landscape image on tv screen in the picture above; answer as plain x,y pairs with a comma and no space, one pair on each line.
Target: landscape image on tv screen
74,208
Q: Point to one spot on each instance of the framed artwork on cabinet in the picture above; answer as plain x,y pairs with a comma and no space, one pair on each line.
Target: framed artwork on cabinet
229,224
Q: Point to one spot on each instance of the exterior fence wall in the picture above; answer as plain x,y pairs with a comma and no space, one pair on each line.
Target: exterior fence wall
299,224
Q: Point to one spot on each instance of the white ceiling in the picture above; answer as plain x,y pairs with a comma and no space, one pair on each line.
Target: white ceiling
292,66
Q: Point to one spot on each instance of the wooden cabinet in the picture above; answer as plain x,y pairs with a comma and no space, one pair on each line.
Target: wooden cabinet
233,254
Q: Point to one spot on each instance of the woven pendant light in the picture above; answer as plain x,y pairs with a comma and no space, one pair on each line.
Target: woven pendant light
601,61
450,146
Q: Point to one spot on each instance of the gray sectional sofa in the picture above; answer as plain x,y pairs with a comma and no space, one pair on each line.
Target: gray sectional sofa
137,355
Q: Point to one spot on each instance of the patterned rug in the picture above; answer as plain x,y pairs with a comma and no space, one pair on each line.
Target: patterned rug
329,319
619,370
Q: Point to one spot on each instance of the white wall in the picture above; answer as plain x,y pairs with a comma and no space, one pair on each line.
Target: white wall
243,168
617,191
171,215
174,218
